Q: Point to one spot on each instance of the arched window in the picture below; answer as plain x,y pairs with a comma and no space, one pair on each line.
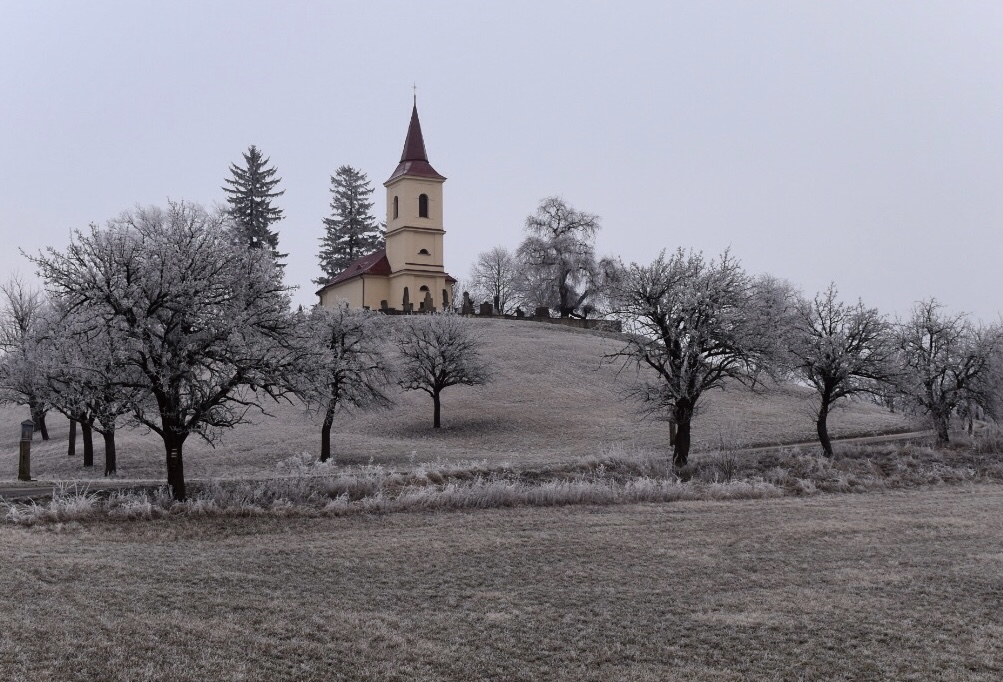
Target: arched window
424,252
423,206
423,288
396,208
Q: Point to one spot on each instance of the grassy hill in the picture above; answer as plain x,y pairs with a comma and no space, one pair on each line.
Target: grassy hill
552,399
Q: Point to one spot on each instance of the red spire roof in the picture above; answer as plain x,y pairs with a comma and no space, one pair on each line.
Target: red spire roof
414,159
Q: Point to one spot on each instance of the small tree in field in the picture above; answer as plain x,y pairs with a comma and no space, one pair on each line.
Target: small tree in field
204,323
839,350
21,381
694,324
87,378
945,362
347,367
438,351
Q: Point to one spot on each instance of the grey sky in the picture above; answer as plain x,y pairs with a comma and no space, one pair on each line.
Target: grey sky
860,142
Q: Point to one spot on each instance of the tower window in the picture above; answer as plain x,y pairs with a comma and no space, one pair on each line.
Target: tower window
423,206
396,207
424,252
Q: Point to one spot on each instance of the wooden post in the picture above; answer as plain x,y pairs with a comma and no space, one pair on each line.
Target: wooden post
24,460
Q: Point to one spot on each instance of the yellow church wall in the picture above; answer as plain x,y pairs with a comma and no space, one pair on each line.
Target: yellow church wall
369,289
414,282
407,189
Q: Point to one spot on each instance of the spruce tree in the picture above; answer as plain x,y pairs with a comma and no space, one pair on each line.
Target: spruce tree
351,231
250,193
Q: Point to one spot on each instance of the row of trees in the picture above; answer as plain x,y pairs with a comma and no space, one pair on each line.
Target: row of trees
160,317
693,325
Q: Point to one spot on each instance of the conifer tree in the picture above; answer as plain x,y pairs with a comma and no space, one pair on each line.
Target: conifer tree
351,231
250,193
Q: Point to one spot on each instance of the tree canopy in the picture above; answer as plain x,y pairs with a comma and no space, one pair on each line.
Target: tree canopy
250,192
203,323
351,231
560,269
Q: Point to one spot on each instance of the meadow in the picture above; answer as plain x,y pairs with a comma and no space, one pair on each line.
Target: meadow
552,399
899,585
542,534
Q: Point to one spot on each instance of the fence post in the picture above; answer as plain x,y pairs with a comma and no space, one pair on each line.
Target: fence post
24,460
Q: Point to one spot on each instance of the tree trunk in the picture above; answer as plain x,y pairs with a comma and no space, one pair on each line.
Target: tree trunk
681,448
71,448
941,424
821,425
823,431
109,451
436,410
682,413
175,465
88,433
38,417
325,434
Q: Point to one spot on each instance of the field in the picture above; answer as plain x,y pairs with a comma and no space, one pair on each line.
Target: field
537,562
552,400
902,585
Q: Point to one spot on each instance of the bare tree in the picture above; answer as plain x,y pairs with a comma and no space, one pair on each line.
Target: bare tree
205,323
945,362
561,270
86,377
438,351
695,324
494,277
347,367
21,310
839,350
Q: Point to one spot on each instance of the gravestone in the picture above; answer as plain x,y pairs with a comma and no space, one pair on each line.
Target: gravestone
541,311
468,305
427,305
486,309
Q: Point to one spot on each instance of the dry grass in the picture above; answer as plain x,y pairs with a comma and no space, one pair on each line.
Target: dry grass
902,585
307,487
552,400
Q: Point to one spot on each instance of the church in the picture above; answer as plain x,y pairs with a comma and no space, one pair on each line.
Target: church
408,274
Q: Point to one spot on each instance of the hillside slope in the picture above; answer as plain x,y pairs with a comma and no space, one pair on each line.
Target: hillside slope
552,398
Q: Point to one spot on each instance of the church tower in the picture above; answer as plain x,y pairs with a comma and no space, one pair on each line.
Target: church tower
408,274
415,226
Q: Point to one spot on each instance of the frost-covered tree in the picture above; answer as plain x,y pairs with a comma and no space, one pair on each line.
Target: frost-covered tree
945,362
351,231
839,350
558,257
346,368
494,277
21,381
250,192
438,351
691,325
87,377
205,324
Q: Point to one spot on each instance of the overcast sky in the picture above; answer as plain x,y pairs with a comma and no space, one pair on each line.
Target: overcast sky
860,142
